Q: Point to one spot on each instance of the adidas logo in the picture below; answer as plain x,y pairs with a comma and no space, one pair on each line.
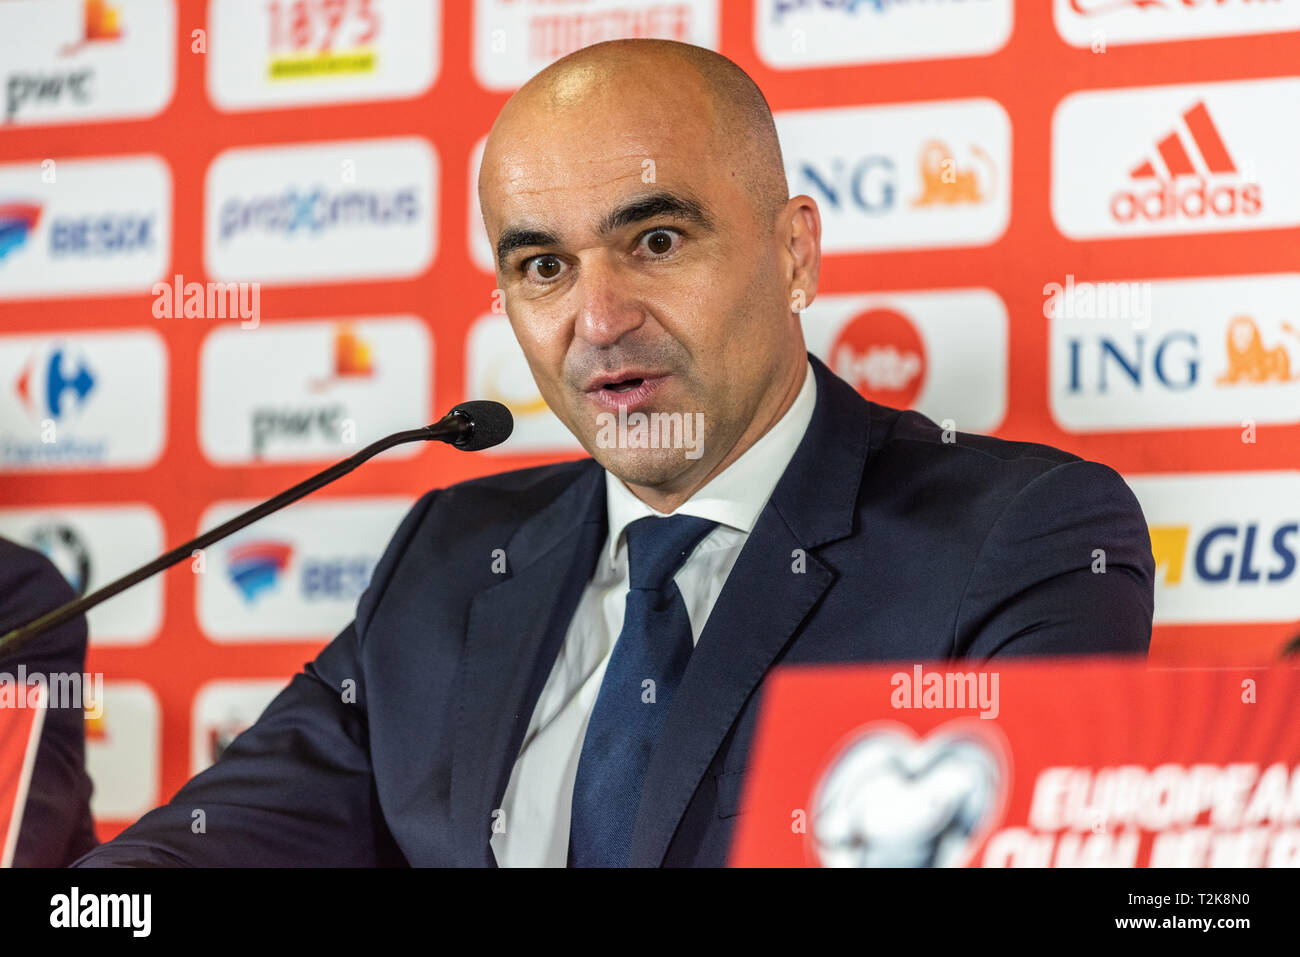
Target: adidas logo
1191,176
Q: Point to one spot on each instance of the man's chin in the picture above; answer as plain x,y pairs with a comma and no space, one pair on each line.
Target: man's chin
652,468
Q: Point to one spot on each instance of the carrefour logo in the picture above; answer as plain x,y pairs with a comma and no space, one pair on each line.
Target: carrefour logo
1226,545
82,399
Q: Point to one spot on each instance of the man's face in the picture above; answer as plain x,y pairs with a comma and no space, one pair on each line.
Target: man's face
636,275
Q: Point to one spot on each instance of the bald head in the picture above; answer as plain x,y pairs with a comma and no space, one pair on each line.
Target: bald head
619,78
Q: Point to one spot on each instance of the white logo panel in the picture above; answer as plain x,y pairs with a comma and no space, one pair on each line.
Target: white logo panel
496,369
92,546
1086,23
307,391
1193,158
1190,353
268,55
82,400
123,752
903,176
327,212
84,61
942,353
1225,545
798,34
513,41
298,573
81,227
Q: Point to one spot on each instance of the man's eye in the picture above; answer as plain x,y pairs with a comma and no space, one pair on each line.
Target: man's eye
544,268
659,242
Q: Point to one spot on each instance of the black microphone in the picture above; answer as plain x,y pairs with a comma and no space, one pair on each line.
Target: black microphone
470,427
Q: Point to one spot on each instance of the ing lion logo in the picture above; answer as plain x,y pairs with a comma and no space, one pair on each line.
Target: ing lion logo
943,182
1249,361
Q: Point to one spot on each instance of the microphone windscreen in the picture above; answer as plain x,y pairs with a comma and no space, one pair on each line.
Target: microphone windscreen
492,424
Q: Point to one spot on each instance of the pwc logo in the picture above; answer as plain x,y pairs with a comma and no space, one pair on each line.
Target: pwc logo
1226,545
1172,184
942,352
1219,159
1183,353
311,390
77,61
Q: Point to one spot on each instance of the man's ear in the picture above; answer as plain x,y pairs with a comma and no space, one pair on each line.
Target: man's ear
801,226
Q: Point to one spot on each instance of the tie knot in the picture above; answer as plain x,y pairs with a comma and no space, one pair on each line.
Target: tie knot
656,547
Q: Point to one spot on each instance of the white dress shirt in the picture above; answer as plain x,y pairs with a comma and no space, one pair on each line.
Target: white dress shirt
534,826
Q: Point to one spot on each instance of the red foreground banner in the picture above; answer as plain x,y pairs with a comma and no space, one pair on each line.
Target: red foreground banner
20,733
1062,764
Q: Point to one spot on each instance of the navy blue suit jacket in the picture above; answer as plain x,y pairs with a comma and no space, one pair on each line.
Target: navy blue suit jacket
881,542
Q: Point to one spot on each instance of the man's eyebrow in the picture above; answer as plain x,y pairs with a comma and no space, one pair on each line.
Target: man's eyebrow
514,237
648,207
633,211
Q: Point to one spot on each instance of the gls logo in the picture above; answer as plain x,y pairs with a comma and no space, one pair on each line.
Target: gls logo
1226,545
1162,160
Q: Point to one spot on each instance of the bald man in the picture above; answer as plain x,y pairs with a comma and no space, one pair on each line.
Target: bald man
563,665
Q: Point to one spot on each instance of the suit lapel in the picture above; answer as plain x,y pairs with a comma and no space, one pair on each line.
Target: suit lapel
760,608
514,632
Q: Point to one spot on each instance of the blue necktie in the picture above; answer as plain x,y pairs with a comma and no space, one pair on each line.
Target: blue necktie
631,709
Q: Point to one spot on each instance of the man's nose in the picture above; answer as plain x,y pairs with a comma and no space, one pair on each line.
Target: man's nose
608,309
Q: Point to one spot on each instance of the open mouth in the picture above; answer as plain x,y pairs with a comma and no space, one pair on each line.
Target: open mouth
627,385
625,393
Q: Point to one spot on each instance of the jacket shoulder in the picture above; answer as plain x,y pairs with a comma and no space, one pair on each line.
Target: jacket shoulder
897,430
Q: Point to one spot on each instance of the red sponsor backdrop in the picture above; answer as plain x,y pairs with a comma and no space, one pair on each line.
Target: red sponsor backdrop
1028,77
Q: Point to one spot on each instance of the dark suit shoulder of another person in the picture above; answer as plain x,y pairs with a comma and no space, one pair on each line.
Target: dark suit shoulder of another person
57,827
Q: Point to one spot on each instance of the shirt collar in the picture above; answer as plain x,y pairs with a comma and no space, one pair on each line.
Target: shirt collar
735,496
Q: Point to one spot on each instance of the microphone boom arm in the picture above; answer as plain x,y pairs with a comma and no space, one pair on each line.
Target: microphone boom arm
454,427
